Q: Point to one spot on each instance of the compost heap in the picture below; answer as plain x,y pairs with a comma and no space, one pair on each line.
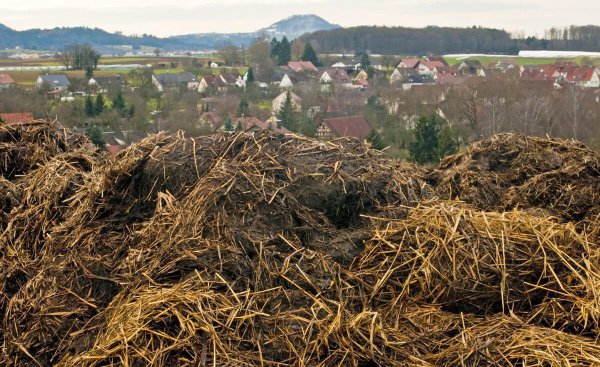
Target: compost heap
272,250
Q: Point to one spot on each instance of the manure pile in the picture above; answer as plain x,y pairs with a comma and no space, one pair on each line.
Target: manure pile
271,250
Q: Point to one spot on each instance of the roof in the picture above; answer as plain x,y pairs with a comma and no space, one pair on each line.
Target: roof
433,64
229,78
176,78
106,81
580,74
60,80
16,118
437,58
213,118
419,79
280,100
213,81
349,126
337,75
6,79
249,123
409,63
472,63
299,66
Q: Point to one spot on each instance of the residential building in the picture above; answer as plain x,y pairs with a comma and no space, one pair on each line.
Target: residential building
55,82
6,82
349,126
175,81
280,100
16,118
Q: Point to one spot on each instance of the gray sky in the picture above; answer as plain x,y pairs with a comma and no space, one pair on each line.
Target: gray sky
199,16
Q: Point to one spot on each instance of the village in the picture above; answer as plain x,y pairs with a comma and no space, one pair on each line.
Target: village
362,96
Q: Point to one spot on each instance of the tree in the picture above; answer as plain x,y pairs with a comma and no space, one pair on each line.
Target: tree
79,57
229,125
297,47
310,55
284,52
231,55
365,62
2,120
287,113
424,148
250,76
274,49
243,108
90,110
447,143
99,105
89,72
157,52
118,103
375,140
95,135
260,58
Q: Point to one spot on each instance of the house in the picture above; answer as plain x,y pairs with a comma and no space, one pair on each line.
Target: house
361,75
175,81
6,82
361,83
280,100
409,63
339,65
400,74
286,82
56,82
211,119
335,76
429,67
302,66
350,126
416,80
505,66
213,65
16,118
249,124
105,83
211,82
586,77
440,59
471,67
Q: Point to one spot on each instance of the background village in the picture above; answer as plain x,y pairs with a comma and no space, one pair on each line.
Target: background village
288,87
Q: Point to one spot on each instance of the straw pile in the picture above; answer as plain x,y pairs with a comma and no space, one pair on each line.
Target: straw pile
552,177
272,250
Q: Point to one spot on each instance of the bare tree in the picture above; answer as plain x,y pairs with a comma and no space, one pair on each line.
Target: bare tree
573,101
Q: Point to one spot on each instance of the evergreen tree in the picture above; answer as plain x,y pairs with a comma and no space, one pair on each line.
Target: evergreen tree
2,120
447,143
310,55
424,149
243,108
287,113
95,135
284,52
99,106
376,140
89,72
274,48
229,125
239,126
118,103
433,140
250,76
365,62
90,109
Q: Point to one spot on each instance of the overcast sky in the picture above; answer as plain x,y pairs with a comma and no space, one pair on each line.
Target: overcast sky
199,16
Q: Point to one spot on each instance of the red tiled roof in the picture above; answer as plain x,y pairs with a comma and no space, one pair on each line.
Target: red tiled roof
6,79
410,63
580,74
351,126
433,64
113,148
214,81
299,66
16,118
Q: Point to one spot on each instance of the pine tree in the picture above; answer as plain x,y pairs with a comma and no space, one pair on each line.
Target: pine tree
89,72
447,144
229,125
243,108
250,76
424,149
90,109
118,103
310,55
287,113
376,140
99,106
284,52
95,135
365,62
274,48
239,126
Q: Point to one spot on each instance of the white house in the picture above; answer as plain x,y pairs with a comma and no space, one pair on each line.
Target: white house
339,65
286,82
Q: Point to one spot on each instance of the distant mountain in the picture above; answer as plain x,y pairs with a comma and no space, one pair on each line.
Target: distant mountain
292,27
297,25
57,38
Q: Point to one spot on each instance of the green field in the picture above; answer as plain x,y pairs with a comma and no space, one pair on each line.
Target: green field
486,60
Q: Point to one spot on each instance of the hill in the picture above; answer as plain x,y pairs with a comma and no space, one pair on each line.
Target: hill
402,40
56,38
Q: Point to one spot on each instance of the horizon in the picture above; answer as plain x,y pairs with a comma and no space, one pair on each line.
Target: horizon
243,16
